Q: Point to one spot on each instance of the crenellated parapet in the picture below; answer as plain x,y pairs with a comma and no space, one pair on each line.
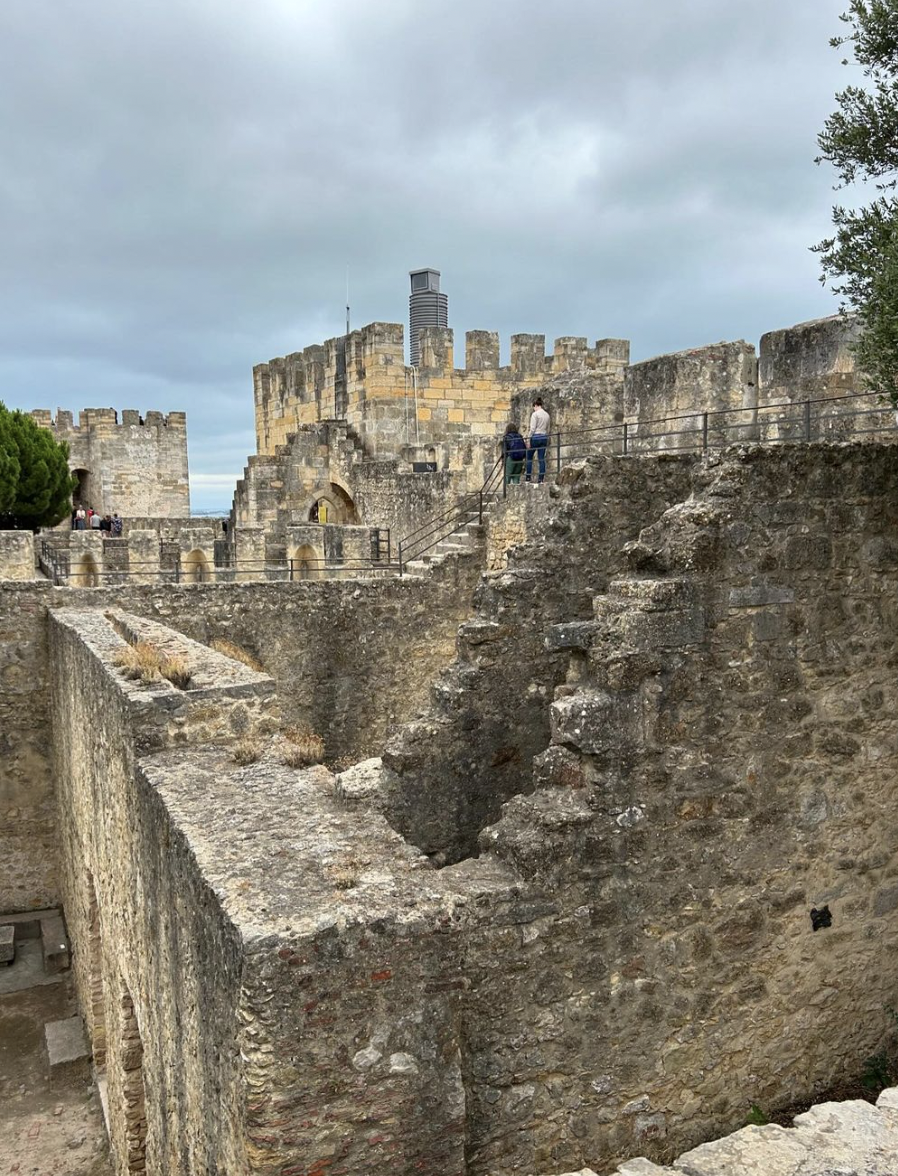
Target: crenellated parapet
128,462
363,378
103,418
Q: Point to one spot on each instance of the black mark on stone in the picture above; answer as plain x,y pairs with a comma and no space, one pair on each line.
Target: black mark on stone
821,918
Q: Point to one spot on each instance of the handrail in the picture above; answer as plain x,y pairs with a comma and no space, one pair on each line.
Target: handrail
628,438
450,522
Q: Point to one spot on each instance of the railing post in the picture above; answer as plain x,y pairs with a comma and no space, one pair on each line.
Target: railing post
626,439
704,432
807,420
399,556
290,561
504,459
557,455
480,508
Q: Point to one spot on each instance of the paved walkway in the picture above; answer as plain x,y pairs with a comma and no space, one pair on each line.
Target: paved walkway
44,1130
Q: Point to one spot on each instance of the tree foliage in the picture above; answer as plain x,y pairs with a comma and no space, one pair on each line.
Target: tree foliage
35,483
860,139
9,463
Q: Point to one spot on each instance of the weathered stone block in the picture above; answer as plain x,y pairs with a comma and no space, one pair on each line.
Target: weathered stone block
55,944
67,1050
7,944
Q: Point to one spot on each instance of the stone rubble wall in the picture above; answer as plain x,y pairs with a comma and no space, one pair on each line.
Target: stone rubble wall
830,1138
722,764
447,772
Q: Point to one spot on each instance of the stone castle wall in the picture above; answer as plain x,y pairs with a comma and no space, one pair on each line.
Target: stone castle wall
630,961
158,967
28,812
134,465
392,406
722,765
298,632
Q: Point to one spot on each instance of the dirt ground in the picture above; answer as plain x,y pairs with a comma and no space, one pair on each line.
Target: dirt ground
45,1128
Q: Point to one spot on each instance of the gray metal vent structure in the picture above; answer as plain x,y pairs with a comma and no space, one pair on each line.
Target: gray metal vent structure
427,307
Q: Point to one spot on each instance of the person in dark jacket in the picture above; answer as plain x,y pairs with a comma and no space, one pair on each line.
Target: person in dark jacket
515,449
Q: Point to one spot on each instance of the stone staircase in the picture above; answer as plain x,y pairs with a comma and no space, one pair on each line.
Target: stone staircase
470,538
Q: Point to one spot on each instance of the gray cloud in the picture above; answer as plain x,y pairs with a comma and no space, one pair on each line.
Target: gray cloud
183,183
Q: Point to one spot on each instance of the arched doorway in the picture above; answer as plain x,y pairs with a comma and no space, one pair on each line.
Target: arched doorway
195,568
81,495
305,563
84,572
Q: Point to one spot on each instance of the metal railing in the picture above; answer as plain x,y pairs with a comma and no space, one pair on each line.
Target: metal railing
833,418
825,419
469,509
88,573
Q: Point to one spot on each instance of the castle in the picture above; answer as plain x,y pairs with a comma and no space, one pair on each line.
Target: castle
593,768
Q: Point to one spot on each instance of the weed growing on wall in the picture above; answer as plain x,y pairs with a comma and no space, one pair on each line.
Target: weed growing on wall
303,749
147,663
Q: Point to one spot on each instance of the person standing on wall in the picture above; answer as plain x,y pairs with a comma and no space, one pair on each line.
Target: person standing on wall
538,440
514,449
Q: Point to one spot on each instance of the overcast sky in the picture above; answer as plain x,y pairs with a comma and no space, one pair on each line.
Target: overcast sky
184,182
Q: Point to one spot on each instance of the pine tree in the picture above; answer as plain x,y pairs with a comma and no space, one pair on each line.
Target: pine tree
9,464
861,140
43,484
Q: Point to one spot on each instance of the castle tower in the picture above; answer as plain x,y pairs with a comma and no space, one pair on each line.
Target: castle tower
427,307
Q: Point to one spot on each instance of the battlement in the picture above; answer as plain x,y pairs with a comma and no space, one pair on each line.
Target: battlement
104,418
125,462
364,378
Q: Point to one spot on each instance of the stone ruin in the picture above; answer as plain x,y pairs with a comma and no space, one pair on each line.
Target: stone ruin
554,896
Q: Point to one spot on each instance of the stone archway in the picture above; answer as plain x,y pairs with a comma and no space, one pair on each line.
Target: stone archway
83,491
305,563
84,572
195,568
334,503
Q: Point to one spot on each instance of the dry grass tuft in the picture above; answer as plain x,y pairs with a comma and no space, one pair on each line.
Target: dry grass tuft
247,750
236,653
146,663
304,748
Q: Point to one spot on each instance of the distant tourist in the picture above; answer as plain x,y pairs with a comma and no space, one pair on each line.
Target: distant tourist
94,520
538,439
106,523
80,518
514,447
115,526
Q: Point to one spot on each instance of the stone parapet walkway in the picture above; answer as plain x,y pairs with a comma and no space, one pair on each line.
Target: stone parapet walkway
852,1138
